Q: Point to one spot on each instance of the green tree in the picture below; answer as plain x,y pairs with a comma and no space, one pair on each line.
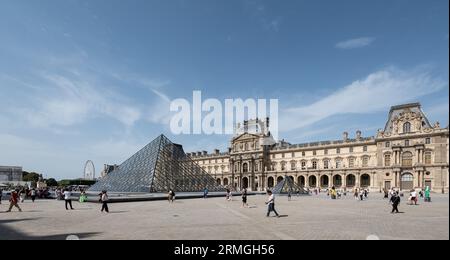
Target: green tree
51,182
30,176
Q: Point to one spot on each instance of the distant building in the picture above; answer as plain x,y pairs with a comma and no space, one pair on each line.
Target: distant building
408,153
10,174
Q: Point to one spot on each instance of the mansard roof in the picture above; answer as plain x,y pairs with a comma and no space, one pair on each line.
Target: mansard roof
396,111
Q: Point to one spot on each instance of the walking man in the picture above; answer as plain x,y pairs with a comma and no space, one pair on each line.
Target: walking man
67,195
1,194
33,194
271,204
395,200
205,193
14,200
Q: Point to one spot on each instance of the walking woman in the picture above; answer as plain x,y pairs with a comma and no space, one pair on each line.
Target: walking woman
271,204
105,201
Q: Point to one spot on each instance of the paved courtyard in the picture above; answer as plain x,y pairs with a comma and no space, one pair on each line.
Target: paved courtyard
314,217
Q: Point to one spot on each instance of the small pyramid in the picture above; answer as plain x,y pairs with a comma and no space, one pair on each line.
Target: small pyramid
158,167
287,186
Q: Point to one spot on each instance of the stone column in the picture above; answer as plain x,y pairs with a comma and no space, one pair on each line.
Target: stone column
306,181
358,178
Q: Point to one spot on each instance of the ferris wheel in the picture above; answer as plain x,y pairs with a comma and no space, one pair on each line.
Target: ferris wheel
89,170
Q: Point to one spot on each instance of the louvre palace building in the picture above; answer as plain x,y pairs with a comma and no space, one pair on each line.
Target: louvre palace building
409,153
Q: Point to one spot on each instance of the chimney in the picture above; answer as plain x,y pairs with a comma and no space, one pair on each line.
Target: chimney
205,153
358,135
345,136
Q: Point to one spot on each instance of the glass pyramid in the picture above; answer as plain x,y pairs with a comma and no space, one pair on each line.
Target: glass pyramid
287,186
158,167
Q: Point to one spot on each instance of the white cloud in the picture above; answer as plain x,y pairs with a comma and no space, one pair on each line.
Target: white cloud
377,92
72,100
355,43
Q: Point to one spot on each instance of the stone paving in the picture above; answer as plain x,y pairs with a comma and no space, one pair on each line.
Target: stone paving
313,217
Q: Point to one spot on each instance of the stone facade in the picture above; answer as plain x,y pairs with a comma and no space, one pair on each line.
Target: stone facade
10,174
409,153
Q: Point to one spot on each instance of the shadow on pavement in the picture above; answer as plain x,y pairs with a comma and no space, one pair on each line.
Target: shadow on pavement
8,233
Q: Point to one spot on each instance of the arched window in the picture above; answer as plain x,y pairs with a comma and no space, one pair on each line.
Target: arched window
337,180
351,180
270,182
280,179
312,181
365,180
428,158
407,159
407,127
301,181
225,181
407,181
245,167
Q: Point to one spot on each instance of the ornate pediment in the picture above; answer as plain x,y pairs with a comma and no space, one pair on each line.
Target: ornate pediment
405,119
245,137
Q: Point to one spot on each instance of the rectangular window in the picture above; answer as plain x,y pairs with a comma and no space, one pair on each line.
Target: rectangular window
303,154
293,155
351,162
325,164
428,158
314,165
365,149
303,165
388,144
406,142
387,160
428,141
365,161
314,153
325,152
338,164
338,150
351,149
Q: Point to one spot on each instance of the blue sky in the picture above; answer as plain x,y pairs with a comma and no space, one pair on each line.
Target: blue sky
92,80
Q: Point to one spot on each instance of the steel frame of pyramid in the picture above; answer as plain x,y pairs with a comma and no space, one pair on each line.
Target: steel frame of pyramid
287,186
158,167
